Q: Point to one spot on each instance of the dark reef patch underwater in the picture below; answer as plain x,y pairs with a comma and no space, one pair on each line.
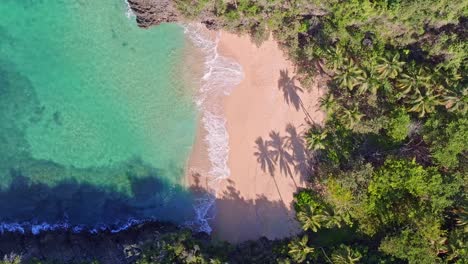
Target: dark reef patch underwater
95,122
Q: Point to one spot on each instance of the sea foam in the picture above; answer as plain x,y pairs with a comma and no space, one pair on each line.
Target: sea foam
221,76
37,228
129,12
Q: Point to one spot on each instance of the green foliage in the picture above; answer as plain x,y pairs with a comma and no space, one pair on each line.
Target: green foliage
11,259
181,247
391,65
299,250
403,192
346,255
398,125
448,139
304,198
409,246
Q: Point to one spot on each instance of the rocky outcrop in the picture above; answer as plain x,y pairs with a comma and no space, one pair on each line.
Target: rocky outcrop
154,12
64,246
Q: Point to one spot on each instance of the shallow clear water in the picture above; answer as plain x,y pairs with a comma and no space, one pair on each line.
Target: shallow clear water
95,120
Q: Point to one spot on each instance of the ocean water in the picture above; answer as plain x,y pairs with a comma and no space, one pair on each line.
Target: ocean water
96,116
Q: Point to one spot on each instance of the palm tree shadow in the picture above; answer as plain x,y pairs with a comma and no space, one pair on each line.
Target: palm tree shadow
290,90
288,152
280,153
300,155
255,217
264,156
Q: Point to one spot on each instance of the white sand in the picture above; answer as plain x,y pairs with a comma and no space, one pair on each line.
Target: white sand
266,110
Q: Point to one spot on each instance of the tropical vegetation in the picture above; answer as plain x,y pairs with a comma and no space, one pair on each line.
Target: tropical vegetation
391,170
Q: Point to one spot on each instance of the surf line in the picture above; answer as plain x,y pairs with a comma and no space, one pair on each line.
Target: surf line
221,75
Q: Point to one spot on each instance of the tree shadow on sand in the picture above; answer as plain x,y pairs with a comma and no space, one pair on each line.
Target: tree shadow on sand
253,218
291,92
287,152
290,89
264,156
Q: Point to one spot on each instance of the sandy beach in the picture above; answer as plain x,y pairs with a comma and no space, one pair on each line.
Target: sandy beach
266,117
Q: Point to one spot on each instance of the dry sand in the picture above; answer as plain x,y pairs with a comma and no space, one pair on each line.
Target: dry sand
266,118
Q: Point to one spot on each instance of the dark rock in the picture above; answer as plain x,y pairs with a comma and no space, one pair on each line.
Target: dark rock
154,12
64,246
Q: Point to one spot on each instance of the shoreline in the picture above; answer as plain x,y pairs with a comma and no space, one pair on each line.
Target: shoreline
207,164
254,201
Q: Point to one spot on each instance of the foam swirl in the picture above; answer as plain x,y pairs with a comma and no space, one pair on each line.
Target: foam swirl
221,76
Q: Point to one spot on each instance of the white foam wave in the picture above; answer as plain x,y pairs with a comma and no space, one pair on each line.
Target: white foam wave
221,75
36,229
129,12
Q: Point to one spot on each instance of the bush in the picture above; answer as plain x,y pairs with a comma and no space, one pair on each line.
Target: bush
397,127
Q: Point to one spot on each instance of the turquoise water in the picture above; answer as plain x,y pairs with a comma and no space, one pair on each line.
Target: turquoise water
96,122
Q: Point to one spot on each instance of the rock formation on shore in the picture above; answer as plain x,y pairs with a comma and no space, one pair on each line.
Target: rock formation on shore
65,246
155,12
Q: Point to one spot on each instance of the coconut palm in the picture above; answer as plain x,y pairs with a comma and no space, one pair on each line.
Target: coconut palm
299,250
310,218
424,104
462,217
350,117
457,102
439,245
413,80
390,68
316,140
337,58
329,103
450,79
348,76
331,221
313,218
366,82
345,255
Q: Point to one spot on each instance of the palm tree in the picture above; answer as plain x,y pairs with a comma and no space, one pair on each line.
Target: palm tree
313,218
337,58
310,218
331,221
328,103
316,140
348,77
457,102
424,104
345,255
462,217
367,82
390,68
351,117
412,81
299,250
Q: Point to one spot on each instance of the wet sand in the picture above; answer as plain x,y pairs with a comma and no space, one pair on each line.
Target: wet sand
266,116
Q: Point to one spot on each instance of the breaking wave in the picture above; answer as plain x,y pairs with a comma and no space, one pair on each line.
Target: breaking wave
36,229
220,76
129,12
